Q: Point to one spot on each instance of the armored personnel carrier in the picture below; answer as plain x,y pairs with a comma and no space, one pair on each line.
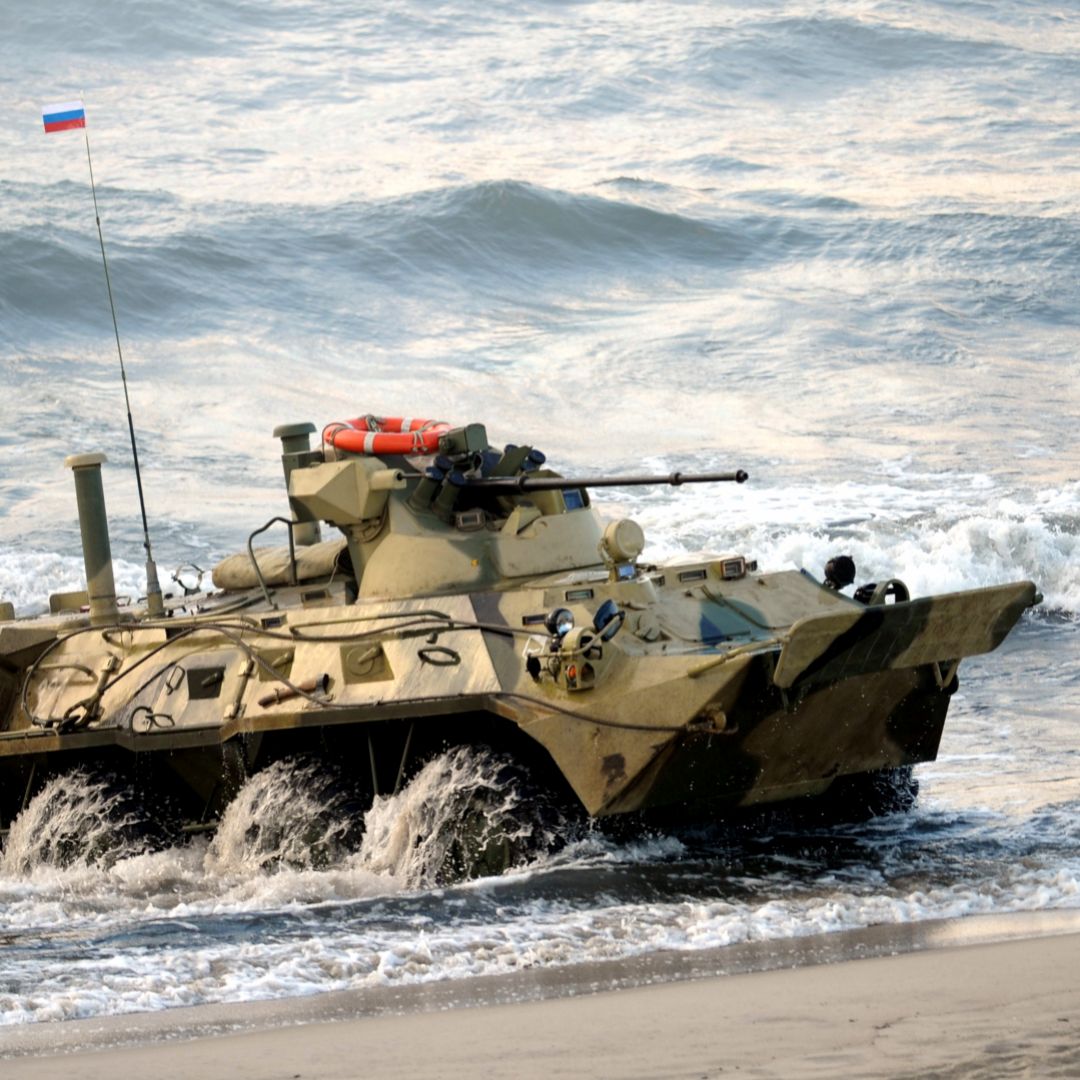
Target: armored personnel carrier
437,592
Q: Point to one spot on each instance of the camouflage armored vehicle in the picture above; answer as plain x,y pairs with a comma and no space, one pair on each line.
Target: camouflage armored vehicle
438,592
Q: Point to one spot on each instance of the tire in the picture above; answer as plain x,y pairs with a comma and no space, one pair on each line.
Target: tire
85,817
869,795
297,812
470,812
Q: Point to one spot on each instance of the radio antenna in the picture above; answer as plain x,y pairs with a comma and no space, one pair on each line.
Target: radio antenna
64,117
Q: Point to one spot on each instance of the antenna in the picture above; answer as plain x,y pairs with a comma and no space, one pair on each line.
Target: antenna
61,118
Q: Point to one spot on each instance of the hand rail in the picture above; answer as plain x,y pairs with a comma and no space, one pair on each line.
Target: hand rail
293,580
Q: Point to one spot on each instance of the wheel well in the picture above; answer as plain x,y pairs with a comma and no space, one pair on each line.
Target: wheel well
385,754
377,758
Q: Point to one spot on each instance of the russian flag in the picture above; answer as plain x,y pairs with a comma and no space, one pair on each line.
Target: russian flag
63,117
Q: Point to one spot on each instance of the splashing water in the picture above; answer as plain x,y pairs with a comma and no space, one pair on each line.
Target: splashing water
468,812
75,820
294,813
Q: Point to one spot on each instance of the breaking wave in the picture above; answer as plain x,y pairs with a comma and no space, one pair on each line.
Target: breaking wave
176,274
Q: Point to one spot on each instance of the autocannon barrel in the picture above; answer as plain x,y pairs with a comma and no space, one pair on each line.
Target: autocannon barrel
511,484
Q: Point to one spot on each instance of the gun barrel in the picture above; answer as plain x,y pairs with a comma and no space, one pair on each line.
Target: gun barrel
513,484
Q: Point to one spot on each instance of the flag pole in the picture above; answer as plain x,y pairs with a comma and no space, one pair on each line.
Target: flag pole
154,603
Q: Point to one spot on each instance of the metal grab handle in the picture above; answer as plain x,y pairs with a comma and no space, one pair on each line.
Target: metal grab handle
255,562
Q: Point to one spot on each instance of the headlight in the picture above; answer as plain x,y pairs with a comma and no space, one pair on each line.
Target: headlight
559,622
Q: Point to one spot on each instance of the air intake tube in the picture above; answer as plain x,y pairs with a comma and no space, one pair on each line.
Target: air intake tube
94,526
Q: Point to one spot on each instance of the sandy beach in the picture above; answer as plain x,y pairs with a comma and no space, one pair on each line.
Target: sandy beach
977,997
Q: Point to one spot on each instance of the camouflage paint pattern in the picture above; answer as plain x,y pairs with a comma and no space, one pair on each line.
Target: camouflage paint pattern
423,624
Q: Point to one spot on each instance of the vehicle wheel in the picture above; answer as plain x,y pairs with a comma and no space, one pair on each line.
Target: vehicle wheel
870,795
469,812
83,817
298,812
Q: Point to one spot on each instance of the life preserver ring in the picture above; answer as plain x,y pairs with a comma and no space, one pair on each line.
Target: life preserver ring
386,435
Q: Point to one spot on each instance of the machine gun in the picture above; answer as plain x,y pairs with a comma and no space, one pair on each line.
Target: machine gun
444,484
468,465
513,485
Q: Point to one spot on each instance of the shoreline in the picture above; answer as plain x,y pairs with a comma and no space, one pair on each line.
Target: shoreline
954,992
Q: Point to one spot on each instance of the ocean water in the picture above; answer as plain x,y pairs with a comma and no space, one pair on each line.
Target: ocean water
835,244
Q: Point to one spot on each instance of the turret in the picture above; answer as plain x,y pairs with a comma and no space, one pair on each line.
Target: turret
456,513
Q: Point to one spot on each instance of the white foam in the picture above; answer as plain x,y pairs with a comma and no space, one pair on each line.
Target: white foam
28,578
195,970
981,538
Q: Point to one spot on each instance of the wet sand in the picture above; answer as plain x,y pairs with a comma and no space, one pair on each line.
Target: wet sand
978,997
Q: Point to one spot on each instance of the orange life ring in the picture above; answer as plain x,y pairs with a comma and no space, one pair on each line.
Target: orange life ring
386,435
